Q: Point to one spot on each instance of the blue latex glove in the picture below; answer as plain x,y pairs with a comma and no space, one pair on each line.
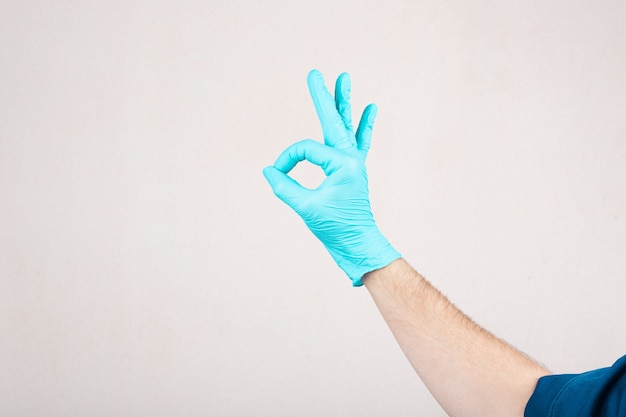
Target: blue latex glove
338,211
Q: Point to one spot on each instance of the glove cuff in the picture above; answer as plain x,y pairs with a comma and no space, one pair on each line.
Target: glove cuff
375,252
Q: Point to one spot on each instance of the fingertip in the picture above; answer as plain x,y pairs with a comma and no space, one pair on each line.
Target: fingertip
284,187
343,87
267,171
273,177
372,113
314,77
318,91
364,131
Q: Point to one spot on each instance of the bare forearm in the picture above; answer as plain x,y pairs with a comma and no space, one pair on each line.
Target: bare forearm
468,370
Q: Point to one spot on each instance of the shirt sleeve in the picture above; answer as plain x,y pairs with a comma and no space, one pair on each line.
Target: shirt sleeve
599,393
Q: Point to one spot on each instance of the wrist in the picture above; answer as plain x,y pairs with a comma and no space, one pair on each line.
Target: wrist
372,251
378,276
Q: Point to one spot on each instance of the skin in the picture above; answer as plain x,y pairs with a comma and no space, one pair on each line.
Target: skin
469,371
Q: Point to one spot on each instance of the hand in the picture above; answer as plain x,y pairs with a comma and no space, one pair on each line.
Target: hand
338,211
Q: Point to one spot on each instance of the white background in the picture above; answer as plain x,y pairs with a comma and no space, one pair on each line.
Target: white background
146,268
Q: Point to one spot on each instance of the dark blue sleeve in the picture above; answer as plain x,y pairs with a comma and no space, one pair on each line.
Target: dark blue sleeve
599,393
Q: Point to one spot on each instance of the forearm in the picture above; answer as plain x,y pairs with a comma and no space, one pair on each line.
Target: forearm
468,370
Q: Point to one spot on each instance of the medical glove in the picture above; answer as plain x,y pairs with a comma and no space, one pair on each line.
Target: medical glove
338,211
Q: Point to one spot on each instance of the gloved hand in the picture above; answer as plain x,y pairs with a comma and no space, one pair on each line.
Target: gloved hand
338,211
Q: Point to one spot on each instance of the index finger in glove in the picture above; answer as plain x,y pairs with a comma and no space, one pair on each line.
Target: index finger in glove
316,153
